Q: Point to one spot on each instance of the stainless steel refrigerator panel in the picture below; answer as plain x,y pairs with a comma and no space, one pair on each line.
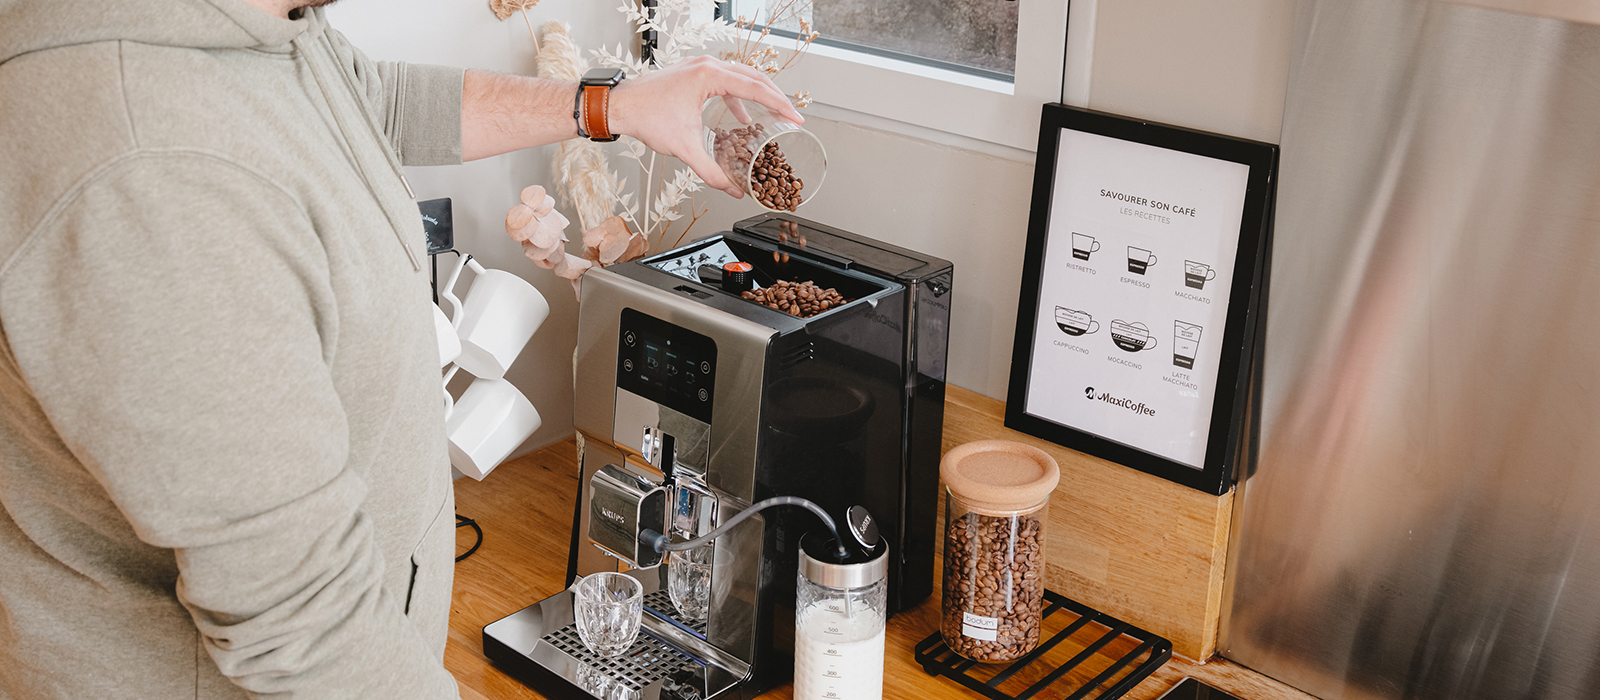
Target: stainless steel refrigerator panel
1423,519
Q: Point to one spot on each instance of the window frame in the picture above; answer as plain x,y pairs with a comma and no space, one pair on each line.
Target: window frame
955,107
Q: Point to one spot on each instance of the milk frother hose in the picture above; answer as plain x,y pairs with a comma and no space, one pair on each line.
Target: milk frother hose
659,543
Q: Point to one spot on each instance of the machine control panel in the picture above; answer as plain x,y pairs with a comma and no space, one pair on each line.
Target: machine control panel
668,364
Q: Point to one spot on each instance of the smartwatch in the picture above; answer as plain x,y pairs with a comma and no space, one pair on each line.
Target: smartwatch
593,100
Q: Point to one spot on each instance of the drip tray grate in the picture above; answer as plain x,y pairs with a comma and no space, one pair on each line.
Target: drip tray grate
646,662
661,602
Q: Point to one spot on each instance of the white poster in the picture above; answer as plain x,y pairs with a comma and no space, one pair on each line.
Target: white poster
1134,293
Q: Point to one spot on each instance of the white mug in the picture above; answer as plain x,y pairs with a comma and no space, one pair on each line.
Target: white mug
500,314
449,342
491,419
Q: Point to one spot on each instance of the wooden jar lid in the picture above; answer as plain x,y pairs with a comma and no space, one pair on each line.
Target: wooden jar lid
1000,474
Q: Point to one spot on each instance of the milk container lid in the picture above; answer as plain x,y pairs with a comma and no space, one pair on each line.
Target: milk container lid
865,562
1000,474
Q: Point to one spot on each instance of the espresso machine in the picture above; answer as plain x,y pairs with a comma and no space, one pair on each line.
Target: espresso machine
694,402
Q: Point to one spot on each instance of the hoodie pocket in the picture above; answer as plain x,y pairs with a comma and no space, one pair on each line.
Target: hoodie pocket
432,573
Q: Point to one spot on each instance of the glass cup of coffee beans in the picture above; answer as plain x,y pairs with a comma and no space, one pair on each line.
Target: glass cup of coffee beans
777,163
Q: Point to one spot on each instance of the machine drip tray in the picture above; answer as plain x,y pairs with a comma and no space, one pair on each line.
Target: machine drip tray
646,662
669,661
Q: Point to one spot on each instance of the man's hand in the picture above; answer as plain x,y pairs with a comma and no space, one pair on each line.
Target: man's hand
662,109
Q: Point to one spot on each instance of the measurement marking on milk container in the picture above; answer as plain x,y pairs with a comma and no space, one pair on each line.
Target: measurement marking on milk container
839,656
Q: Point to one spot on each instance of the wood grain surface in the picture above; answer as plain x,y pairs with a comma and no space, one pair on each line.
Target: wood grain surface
1132,545
525,510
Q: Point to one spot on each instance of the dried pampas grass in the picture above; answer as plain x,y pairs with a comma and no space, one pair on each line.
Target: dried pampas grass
583,172
503,9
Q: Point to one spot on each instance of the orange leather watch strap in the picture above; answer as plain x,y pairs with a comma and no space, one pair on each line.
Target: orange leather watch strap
596,101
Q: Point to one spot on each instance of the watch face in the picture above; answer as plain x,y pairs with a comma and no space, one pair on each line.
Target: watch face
603,76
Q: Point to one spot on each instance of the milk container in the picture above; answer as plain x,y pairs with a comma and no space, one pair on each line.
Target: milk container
840,611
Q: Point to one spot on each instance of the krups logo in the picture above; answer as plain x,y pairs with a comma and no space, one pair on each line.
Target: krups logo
608,515
1139,408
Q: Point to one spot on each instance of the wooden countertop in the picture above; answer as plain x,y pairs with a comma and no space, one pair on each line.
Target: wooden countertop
525,510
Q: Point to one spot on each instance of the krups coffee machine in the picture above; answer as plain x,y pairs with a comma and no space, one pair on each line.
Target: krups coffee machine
694,402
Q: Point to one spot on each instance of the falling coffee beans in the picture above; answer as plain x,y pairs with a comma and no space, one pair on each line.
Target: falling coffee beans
803,299
993,585
771,179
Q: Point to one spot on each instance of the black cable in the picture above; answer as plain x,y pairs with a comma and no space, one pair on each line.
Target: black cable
464,521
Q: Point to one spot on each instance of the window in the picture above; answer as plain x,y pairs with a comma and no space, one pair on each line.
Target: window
973,36
952,71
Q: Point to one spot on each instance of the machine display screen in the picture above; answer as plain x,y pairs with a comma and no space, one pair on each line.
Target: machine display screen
672,366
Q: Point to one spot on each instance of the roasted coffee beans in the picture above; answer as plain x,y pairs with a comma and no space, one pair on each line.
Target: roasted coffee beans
803,299
993,585
771,179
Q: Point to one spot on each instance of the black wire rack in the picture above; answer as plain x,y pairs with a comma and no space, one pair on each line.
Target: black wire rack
1108,658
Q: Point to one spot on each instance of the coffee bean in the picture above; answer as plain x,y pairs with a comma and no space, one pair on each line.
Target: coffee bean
774,179
803,299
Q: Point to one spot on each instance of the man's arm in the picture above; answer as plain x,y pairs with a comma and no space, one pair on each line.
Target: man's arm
420,107
502,113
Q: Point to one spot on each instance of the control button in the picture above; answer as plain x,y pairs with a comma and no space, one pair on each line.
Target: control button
704,395
627,337
627,365
672,370
705,367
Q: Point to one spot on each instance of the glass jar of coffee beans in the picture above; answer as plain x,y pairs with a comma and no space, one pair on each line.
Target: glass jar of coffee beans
777,163
997,497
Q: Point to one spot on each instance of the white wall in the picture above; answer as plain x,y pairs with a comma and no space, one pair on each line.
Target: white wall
1220,65
466,33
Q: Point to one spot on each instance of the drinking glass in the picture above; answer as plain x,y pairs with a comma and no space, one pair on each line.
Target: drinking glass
739,132
689,582
606,607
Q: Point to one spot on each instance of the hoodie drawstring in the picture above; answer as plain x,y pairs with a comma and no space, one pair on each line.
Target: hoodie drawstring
320,79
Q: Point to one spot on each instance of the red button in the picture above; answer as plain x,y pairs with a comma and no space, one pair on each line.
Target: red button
737,266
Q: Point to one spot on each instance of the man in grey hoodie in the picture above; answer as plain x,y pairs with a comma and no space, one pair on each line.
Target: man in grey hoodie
222,455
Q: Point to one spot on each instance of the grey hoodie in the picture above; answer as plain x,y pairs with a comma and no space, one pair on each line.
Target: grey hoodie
222,455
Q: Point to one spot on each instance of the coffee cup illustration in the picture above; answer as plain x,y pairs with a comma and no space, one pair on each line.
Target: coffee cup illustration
1083,245
1196,275
1075,322
1185,343
1139,260
1132,337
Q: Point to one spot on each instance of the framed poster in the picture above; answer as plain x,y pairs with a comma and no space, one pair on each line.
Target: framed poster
1140,285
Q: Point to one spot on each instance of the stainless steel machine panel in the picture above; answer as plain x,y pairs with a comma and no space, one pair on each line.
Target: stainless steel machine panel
741,355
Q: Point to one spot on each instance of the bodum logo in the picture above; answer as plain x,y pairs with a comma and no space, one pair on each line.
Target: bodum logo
1130,404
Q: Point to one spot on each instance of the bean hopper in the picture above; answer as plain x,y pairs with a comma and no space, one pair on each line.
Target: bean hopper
694,403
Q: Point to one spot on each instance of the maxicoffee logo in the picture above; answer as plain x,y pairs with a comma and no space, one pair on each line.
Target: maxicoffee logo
1130,404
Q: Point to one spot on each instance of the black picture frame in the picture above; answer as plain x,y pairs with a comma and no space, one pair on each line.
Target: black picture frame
1228,422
